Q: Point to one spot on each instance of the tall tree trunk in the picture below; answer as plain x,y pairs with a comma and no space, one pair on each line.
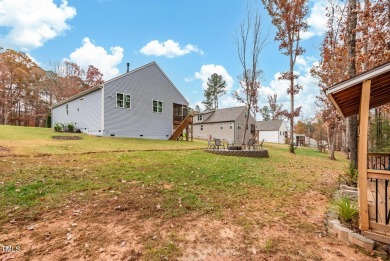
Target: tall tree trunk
292,105
333,134
353,120
246,124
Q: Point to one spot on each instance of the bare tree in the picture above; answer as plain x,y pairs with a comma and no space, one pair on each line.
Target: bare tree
353,120
289,18
249,43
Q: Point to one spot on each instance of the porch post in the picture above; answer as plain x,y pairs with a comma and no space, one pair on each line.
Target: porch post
362,154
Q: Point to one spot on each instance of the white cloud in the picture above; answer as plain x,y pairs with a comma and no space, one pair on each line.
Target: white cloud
32,23
168,49
207,70
91,54
200,104
307,96
228,101
317,20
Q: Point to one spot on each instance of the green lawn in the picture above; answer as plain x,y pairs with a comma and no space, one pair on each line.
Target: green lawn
177,178
33,141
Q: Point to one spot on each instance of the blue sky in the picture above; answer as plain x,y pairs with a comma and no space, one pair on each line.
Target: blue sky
190,40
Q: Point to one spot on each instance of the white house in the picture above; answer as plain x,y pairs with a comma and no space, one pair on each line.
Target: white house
272,131
226,124
142,103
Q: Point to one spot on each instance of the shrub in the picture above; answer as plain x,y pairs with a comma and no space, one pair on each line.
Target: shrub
58,127
346,209
350,177
70,127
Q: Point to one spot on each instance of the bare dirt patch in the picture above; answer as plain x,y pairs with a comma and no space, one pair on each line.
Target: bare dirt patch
100,230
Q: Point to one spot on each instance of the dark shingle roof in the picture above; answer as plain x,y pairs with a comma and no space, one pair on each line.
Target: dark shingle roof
224,115
269,125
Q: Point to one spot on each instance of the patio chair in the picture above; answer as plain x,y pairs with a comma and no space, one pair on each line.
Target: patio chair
218,143
210,145
251,143
261,144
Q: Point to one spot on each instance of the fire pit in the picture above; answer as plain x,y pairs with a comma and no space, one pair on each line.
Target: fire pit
234,148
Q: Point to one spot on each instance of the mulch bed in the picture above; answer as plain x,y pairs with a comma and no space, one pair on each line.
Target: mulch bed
66,138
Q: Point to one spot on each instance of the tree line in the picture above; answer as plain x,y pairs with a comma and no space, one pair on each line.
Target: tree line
357,39
27,91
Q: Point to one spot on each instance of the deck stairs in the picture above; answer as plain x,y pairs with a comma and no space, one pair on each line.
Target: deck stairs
176,135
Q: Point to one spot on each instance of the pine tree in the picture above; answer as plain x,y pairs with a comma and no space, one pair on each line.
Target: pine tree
216,87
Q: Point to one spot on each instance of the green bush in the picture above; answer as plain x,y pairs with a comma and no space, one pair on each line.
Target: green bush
350,177
347,210
58,127
70,127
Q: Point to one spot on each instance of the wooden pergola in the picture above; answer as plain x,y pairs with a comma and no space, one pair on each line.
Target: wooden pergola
357,96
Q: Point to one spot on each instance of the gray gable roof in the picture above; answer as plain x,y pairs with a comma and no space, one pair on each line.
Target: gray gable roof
272,125
225,115
114,79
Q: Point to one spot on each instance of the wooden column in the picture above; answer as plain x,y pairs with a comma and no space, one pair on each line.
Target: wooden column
364,112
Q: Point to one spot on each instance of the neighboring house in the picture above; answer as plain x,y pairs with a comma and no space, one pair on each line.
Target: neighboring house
302,140
226,124
142,103
272,131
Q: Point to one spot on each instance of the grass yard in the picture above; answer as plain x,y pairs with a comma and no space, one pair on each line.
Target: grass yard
135,199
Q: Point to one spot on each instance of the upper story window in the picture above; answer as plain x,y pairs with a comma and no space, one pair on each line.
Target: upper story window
67,109
200,117
157,106
123,100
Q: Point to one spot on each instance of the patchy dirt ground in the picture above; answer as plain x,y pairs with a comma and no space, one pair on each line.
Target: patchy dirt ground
113,230
131,224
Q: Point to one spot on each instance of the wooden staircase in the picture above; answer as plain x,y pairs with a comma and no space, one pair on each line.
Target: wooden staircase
256,135
176,135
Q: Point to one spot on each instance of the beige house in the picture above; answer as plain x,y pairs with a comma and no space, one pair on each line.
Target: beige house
226,124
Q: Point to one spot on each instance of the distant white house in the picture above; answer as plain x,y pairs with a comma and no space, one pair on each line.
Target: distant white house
302,140
272,131
226,124
142,103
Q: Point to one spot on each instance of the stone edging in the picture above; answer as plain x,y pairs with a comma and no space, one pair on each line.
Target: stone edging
240,153
343,233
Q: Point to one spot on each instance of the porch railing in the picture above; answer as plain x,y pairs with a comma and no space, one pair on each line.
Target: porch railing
378,174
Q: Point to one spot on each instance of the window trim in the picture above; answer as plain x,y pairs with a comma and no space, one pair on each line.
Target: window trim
162,106
124,100
200,117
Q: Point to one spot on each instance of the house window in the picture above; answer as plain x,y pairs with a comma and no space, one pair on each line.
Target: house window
157,106
200,117
231,126
67,109
246,114
201,127
221,127
238,125
123,100
253,128
280,133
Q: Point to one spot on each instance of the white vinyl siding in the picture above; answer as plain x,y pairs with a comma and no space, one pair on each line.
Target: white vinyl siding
145,84
84,113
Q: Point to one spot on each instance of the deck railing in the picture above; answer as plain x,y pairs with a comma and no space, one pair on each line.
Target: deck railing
378,174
